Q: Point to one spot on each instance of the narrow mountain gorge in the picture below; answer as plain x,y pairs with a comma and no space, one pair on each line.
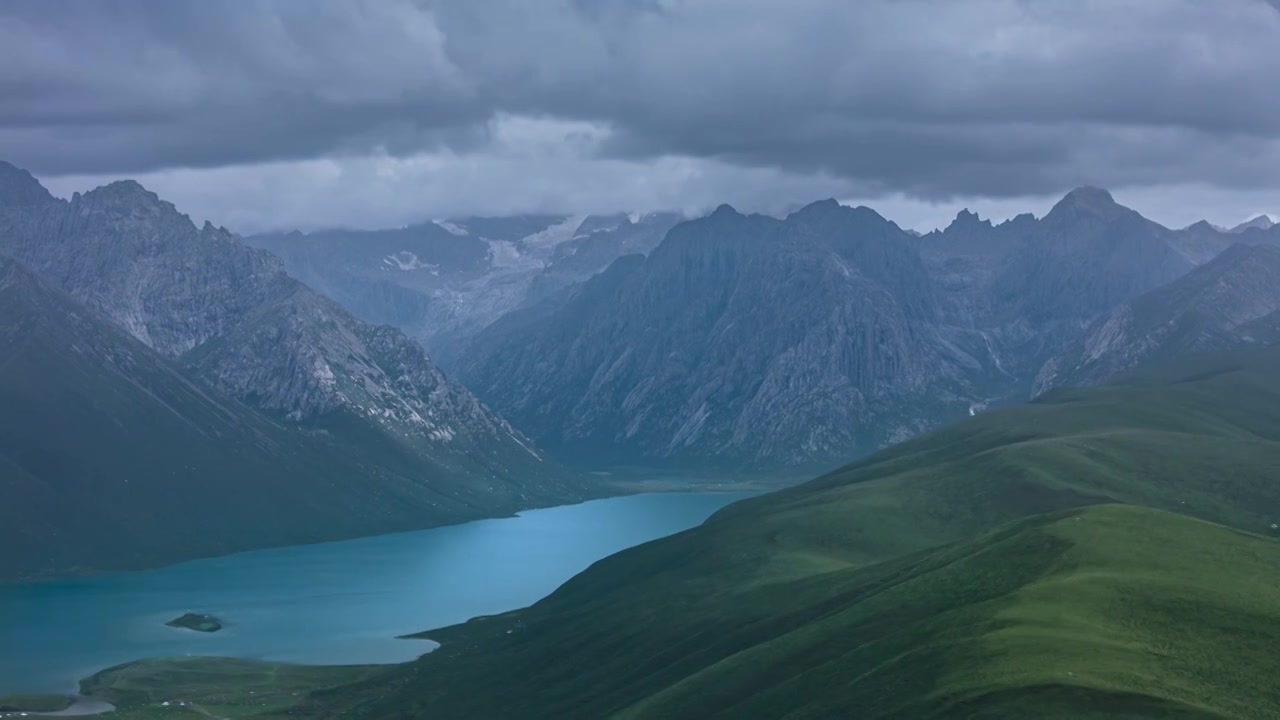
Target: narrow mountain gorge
230,319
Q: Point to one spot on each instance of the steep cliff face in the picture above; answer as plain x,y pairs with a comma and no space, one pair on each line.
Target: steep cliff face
1229,302
306,358
1085,257
135,258
231,317
739,338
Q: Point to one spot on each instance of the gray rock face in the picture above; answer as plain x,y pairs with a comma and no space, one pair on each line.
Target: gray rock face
113,458
303,356
742,338
1084,258
1262,222
818,337
19,189
1233,300
442,282
232,316
123,251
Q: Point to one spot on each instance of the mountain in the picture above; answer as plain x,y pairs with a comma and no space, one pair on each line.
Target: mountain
443,281
19,189
738,339
983,570
231,319
112,458
815,338
1232,301
1262,222
1085,257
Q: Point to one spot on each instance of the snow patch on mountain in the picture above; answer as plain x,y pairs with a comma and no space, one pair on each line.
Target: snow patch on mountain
405,260
451,228
505,255
556,234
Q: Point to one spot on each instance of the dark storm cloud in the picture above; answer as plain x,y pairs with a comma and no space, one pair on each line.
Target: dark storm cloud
930,98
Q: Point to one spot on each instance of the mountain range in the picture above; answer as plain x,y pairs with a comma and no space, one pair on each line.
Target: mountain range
381,433
727,342
443,281
1231,301
750,341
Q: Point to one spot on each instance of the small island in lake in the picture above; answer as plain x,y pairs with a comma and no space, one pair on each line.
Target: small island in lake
199,623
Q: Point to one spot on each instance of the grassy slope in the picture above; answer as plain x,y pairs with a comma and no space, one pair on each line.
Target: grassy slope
1093,612
212,687
833,598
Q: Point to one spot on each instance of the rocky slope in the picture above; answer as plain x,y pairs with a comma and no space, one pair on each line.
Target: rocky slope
821,336
232,317
111,457
444,281
739,337
1232,301
1085,257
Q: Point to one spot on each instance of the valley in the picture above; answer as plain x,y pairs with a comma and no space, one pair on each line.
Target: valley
1013,411
1096,553
284,605
640,360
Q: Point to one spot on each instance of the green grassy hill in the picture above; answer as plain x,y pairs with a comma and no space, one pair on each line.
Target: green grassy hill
955,575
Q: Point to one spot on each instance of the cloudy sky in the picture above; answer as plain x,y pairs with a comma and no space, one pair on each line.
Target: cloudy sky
264,114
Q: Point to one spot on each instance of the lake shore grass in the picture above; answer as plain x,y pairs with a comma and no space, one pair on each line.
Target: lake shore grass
33,703
204,687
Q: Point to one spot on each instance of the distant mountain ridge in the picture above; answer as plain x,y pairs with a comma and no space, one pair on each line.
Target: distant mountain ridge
1232,301
1262,222
727,341
822,336
443,281
738,336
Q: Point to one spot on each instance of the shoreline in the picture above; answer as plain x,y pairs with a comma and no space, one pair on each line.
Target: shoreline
81,706
90,702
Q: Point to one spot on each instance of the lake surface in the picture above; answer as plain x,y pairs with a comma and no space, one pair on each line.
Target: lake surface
332,603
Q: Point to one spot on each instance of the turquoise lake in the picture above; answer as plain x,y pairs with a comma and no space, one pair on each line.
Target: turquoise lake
332,603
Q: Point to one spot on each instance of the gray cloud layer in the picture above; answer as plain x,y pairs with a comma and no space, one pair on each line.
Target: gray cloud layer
931,99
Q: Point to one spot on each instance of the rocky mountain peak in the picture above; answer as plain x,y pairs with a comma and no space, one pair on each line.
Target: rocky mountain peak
965,220
1203,226
725,210
124,190
818,208
1085,199
1262,222
18,188
829,215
